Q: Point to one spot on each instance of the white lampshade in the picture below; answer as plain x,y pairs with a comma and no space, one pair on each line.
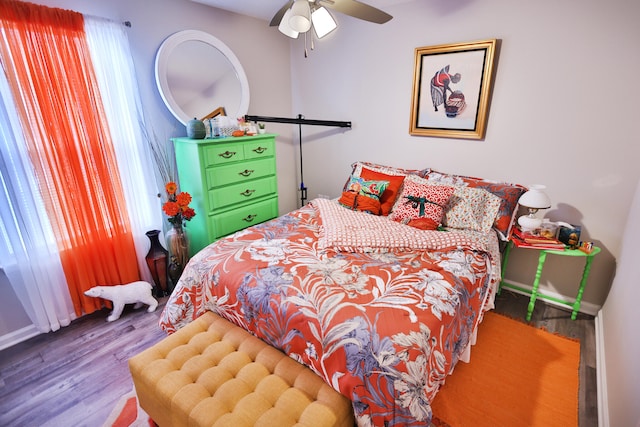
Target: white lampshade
323,22
285,28
534,199
300,19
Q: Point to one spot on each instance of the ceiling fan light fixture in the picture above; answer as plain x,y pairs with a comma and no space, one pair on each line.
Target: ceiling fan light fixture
323,22
285,28
300,18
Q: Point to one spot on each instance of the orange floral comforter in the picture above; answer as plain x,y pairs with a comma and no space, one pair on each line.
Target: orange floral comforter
382,328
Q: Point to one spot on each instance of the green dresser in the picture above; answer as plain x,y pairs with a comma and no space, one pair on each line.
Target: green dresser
232,181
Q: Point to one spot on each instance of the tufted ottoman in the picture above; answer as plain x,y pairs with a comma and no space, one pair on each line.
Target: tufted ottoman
214,373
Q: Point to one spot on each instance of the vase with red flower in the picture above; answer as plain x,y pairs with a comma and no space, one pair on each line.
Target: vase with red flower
177,209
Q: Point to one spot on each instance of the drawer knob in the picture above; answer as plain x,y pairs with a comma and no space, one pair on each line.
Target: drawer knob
227,154
247,192
260,150
246,172
249,218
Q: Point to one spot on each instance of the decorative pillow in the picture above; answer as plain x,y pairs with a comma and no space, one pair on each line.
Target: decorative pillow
390,195
508,194
421,201
369,188
363,195
471,209
358,202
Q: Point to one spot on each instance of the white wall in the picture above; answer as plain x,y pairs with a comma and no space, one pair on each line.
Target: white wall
620,318
563,111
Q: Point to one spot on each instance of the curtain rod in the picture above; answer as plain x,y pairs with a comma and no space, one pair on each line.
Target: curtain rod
125,23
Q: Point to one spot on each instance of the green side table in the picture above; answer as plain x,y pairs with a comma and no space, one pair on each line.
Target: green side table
585,275
541,260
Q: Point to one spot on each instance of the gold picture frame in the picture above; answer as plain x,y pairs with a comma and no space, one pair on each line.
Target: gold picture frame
451,88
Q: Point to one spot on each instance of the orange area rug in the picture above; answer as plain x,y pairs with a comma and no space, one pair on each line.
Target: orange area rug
518,375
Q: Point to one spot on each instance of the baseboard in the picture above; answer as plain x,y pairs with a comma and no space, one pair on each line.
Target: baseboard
549,297
16,337
601,373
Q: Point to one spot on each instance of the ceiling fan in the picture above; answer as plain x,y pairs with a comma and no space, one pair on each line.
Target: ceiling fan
300,16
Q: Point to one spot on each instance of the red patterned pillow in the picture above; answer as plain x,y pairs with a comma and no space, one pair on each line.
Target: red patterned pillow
421,204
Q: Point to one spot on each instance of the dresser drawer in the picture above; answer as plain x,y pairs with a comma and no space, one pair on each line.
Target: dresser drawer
237,219
241,172
259,149
242,192
219,154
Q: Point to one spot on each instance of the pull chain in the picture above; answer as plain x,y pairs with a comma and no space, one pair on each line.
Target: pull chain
306,54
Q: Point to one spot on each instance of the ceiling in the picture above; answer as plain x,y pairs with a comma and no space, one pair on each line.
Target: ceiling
265,9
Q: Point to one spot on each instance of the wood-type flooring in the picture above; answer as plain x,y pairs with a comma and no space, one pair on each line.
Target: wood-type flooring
74,377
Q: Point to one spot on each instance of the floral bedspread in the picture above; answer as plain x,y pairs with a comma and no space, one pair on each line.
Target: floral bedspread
382,328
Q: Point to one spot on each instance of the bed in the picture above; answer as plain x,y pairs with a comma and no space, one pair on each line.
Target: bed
381,307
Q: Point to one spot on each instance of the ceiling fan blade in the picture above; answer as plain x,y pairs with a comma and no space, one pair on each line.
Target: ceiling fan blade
358,10
275,21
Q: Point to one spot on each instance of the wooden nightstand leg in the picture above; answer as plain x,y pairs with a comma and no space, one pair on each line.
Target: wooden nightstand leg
583,282
534,292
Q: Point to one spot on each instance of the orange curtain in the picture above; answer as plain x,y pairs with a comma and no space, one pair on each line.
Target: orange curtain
45,56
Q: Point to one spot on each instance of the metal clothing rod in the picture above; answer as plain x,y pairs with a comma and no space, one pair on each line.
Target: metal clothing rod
300,120
303,188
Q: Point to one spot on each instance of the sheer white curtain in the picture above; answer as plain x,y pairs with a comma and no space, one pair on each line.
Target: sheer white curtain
115,71
28,253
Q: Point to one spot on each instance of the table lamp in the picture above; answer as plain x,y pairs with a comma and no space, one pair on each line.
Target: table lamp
534,199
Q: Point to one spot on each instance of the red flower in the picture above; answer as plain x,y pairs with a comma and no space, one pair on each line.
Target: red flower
171,188
177,205
171,208
183,199
188,213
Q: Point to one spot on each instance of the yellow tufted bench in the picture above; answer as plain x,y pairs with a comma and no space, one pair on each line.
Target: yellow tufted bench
214,373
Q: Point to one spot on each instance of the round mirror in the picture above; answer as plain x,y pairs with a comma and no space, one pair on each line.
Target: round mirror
197,75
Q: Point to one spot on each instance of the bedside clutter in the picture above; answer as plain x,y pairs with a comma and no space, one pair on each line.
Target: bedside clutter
566,244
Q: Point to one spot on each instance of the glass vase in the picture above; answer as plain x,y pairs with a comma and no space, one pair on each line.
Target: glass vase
178,245
158,262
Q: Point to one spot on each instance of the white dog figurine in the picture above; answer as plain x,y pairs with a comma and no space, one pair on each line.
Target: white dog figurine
134,292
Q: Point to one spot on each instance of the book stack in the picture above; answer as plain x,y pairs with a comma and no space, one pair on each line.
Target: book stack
522,239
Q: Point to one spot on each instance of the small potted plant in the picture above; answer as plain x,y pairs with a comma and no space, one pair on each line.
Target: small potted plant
261,128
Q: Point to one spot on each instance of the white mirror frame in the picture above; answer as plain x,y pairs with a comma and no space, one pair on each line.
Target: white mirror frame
162,61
